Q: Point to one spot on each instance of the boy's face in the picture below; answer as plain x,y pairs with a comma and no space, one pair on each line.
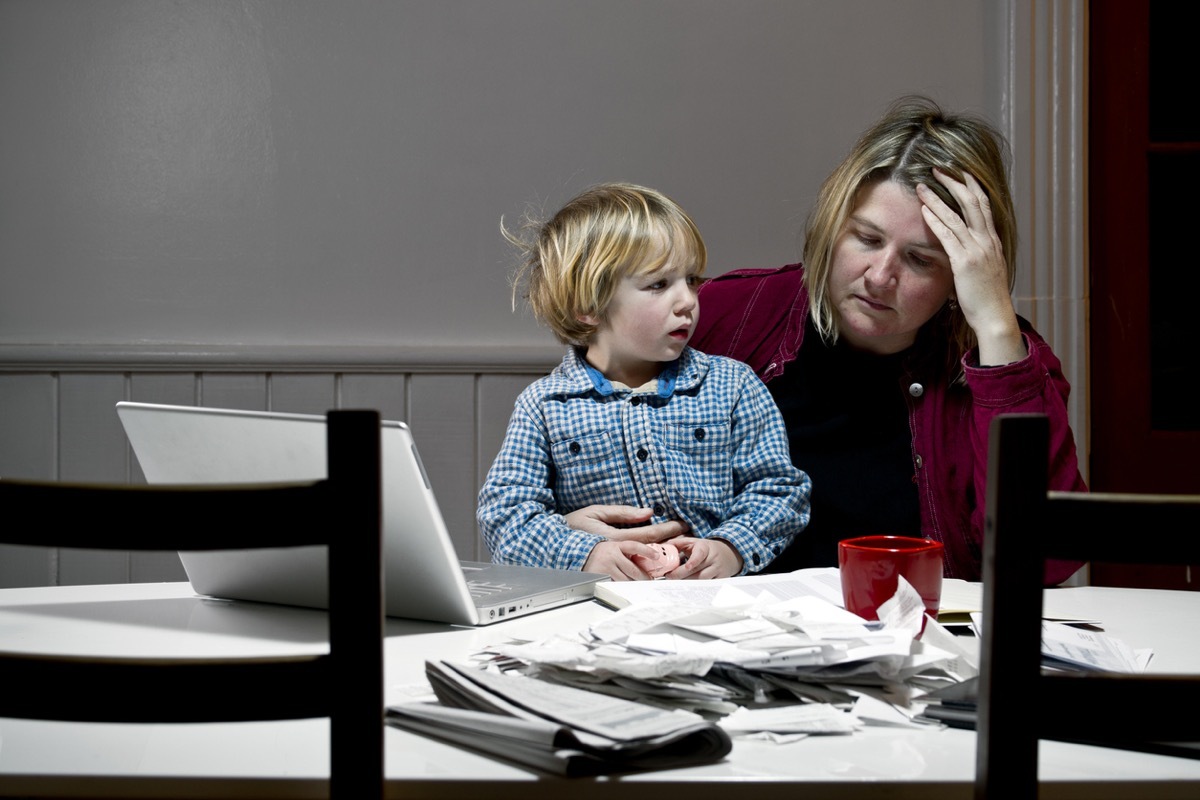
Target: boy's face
649,322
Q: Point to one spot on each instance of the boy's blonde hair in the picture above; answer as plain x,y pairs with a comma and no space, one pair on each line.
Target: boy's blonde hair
573,262
904,146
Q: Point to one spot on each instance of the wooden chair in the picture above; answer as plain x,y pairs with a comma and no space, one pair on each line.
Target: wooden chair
346,685
1026,524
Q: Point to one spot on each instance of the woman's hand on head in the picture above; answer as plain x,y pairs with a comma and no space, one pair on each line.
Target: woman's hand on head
705,558
979,266
615,559
601,520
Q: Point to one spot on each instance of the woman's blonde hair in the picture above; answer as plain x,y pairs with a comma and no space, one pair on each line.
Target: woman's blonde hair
573,262
913,137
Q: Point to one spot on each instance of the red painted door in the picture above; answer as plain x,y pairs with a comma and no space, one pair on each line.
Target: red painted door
1144,203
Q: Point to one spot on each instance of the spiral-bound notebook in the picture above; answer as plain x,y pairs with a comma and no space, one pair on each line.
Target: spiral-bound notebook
423,577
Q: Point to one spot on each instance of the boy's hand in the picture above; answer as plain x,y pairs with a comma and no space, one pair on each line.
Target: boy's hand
615,559
705,558
601,519
665,559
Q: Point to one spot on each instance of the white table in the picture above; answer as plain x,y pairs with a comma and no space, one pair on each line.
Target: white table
290,759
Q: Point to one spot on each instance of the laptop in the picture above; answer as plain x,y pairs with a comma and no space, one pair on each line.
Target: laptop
422,574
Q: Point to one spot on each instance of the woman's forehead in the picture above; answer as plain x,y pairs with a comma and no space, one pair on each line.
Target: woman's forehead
893,209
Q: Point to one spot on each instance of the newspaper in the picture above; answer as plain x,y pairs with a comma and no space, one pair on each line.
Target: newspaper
554,728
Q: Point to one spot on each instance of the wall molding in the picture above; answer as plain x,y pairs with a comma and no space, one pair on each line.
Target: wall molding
1039,93
451,359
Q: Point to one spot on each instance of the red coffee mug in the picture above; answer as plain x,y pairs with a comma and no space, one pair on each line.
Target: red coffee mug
870,566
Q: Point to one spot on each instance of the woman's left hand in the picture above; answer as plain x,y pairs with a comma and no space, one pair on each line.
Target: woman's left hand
600,519
980,269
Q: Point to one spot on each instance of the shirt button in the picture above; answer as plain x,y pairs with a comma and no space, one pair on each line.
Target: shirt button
754,558
574,448
642,454
919,462
699,434
916,390
658,510
637,401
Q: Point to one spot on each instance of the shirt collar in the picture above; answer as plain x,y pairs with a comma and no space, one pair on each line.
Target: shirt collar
666,378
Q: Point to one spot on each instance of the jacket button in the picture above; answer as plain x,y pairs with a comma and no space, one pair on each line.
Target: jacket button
642,454
916,390
574,448
699,434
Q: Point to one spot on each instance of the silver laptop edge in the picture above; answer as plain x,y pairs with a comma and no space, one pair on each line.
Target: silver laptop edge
423,576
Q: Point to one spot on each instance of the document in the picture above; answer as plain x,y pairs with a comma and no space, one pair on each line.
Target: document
1066,647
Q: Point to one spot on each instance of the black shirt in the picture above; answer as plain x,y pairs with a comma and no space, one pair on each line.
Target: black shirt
847,420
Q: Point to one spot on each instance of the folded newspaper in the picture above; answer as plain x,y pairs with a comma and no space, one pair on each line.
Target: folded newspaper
557,729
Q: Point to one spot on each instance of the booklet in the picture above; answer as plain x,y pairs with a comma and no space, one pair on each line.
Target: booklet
744,590
557,729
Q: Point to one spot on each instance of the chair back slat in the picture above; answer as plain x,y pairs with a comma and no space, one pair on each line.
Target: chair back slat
1123,528
203,517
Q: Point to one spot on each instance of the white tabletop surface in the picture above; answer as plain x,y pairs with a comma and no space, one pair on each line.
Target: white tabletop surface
290,759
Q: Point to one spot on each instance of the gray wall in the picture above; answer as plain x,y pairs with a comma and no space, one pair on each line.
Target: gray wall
271,204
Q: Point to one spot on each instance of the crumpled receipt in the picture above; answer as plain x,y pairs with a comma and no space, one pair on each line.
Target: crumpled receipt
905,610
790,720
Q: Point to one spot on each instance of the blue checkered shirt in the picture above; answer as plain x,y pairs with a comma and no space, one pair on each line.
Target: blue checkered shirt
707,448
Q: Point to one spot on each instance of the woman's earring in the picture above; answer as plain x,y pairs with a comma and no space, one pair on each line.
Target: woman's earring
953,303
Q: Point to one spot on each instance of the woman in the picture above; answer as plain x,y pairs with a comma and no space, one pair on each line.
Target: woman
895,344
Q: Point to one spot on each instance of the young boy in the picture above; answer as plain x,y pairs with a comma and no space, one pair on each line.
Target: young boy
633,425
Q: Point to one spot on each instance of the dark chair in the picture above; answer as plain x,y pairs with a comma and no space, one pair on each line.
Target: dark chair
346,685
1026,524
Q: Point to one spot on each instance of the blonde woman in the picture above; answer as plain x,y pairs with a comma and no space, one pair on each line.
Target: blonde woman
889,351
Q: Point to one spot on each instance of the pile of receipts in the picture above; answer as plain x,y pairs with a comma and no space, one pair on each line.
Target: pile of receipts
684,666
756,662
670,679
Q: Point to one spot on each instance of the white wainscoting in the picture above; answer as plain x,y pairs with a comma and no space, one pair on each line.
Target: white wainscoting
59,423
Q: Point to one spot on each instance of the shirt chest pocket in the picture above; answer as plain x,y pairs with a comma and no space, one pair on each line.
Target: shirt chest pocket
699,438
588,470
700,452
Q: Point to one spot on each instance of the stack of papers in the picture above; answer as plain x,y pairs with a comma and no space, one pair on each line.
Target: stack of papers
1069,648
1064,648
